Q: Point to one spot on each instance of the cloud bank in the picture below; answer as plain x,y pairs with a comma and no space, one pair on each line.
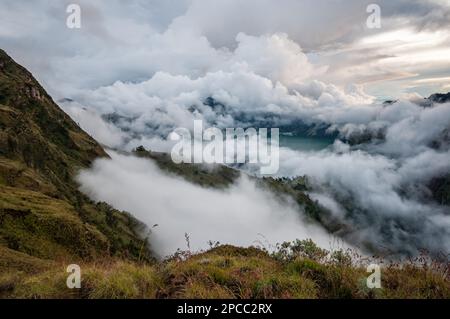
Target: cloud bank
377,186
241,215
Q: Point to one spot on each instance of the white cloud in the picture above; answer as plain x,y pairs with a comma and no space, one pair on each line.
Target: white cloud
373,186
93,124
239,215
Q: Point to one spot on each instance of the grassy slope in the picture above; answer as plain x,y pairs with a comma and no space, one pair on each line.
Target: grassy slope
46,224
225,272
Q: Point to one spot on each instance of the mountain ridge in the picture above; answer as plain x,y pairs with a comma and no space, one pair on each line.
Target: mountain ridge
42,212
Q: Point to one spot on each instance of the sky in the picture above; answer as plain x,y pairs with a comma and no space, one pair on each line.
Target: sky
131,41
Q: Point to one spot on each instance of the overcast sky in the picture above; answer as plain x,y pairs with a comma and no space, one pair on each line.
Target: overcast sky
131,40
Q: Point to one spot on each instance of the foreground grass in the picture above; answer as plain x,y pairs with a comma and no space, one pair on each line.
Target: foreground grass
222,272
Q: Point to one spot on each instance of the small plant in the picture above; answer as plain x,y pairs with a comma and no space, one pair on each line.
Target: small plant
306,248
213,244
188,241
341,257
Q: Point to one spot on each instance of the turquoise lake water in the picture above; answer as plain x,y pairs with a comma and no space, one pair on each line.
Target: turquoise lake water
300,143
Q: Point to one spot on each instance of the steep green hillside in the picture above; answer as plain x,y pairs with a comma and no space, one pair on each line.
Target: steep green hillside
42,214
36,133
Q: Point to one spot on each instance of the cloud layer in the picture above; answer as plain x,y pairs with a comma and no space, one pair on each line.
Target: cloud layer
241,215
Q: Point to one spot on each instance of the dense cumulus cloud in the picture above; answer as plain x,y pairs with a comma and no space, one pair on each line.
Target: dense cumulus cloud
134,72
132,41
265,78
